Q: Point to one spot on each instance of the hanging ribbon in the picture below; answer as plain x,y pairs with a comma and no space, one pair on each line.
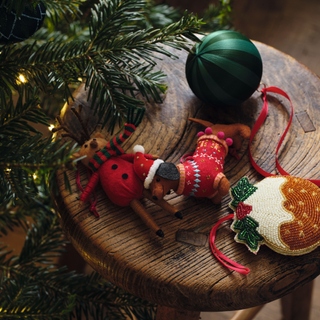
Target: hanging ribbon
219,255
263,115
259,123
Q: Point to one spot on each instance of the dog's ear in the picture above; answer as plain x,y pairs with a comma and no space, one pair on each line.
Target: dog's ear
168,170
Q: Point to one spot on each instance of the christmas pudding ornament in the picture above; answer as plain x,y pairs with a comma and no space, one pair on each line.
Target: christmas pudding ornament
115,170
16,29
224,69
201,175
282,212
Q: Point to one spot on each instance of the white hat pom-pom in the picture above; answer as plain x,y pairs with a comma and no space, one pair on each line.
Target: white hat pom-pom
138,148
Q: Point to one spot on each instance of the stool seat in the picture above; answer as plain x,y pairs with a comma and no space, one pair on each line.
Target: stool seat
179,270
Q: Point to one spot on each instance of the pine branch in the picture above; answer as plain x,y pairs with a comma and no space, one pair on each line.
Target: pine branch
14,118
43,241
17,6
55,8
93,296
23,299
29,162
117,62
10,218
115,55
218,16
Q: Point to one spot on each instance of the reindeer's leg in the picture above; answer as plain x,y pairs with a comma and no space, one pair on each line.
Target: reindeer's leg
138,208
236,142
163,204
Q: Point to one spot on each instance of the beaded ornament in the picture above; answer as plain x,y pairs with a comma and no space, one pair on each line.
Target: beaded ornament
279,211
282,212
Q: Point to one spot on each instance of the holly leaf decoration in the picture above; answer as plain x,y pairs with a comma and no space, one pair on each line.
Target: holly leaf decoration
247,233
243,190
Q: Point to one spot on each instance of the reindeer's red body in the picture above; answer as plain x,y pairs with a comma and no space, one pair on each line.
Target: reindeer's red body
118,180
114,169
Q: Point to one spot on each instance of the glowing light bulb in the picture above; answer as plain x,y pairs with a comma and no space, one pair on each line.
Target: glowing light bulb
51,127
35,176
22,78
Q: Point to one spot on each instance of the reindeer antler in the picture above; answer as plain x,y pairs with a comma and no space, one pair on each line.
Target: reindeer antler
84,135
84,127
68,134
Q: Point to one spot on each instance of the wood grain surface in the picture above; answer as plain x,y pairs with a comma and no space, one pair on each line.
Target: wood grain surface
184,274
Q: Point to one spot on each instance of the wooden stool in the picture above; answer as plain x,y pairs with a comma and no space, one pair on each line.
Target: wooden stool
179,271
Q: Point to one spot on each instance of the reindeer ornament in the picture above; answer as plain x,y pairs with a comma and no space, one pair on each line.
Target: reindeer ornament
115,171
201,175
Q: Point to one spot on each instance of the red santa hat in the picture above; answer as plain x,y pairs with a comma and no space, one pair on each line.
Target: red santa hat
145,168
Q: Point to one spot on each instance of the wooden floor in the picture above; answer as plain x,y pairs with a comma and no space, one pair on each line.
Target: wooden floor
293,27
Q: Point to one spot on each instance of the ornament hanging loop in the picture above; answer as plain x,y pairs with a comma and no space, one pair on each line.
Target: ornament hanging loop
263,85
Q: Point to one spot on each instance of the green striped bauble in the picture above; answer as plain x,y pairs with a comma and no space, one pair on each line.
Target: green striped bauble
224,69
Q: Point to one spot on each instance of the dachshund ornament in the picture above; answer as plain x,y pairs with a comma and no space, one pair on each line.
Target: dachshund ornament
201,175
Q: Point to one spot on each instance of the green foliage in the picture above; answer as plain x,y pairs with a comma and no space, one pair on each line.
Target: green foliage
31,288
55,8
247,233
217,16
113,47
241,191
117,57
159,15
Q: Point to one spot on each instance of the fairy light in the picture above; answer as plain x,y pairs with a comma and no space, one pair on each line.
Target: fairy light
35,176
8,170
80,79
51,127
22,78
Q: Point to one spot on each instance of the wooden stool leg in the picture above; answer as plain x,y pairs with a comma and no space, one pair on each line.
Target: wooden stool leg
297,305
247,314
166,313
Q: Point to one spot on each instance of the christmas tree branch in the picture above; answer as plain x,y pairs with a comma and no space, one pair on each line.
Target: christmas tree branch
11,217
54,7
27,163
114,50
14,118
117,53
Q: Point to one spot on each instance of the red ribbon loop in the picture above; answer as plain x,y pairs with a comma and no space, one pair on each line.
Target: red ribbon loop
258,124
219,255
263,115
